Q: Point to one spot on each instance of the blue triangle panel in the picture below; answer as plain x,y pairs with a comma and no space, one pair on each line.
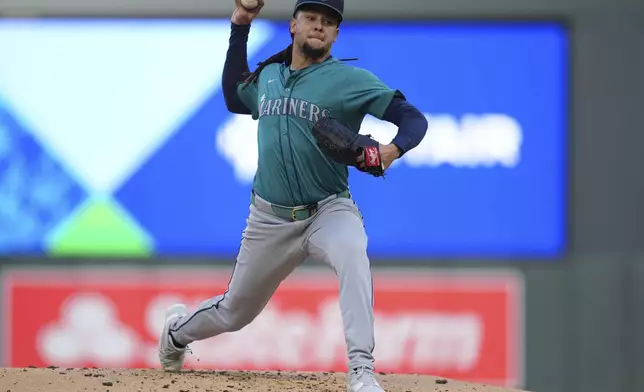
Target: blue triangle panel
186,195
177,195
36,192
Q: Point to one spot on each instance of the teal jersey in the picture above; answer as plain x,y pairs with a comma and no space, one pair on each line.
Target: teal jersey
292,170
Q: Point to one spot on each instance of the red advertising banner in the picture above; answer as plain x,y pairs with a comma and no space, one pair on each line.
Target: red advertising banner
464,326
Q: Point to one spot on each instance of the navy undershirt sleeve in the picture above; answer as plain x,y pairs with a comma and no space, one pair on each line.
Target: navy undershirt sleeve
235,67
412,124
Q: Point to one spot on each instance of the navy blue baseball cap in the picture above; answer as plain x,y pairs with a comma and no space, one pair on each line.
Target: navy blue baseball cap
335,5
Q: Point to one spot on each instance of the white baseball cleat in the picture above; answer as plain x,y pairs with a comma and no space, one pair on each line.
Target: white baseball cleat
362,379
170,356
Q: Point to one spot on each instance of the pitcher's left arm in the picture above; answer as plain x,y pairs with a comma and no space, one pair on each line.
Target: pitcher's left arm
412,127
367,94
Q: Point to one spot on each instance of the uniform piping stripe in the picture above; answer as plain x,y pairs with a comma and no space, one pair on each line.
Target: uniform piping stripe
215,305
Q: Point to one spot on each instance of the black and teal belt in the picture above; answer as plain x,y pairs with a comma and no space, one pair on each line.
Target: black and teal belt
300,212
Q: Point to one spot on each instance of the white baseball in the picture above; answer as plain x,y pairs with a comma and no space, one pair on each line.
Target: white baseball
250,4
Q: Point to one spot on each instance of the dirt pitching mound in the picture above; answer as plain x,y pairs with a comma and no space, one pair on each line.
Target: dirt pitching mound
147,380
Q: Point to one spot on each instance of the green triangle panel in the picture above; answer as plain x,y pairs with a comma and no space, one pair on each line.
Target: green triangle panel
100,227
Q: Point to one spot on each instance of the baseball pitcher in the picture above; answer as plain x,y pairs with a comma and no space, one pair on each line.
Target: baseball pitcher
309,106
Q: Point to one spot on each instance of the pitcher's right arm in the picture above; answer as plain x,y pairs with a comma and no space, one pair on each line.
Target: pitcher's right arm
236,65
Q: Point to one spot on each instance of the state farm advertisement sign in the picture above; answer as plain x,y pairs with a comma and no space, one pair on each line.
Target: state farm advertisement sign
452,325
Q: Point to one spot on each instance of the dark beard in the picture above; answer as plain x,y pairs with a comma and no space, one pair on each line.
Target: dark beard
311,53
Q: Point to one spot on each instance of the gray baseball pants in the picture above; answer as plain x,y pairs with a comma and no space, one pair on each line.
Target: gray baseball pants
271,249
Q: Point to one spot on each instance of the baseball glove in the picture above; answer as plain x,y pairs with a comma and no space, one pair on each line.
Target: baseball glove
347,147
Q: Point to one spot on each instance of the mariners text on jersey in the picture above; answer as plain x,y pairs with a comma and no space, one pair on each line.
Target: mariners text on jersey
291,107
